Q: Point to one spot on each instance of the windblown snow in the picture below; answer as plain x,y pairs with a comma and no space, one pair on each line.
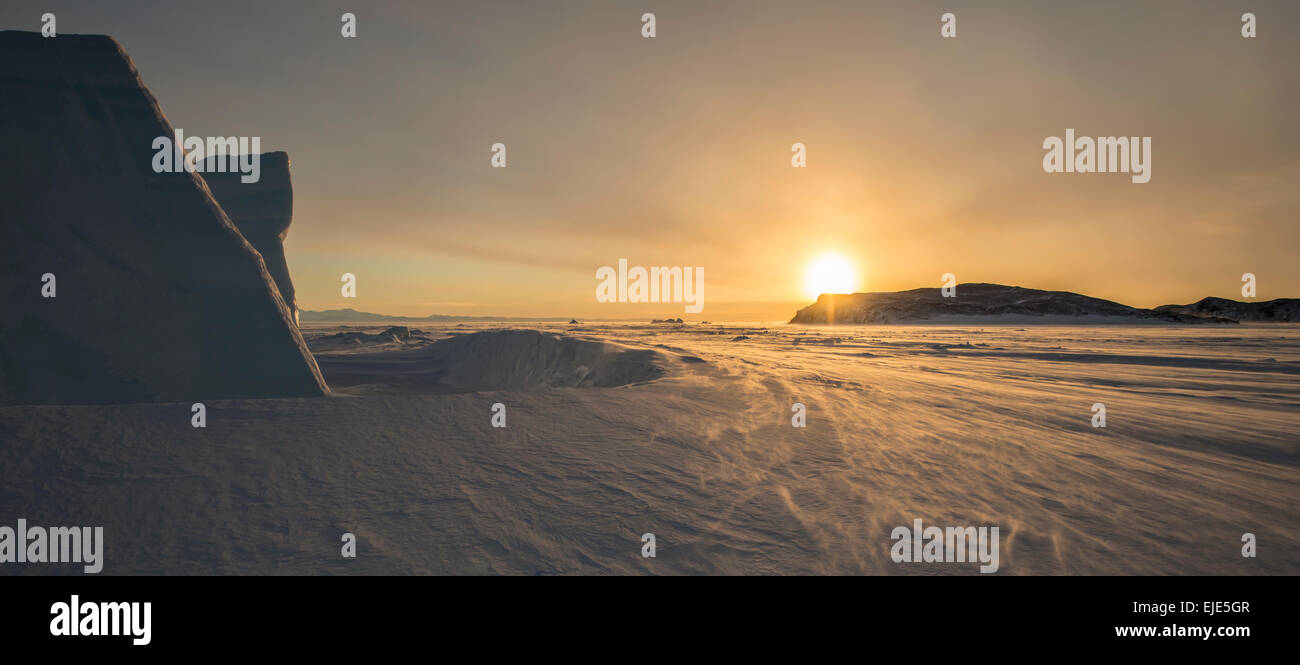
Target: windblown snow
684,431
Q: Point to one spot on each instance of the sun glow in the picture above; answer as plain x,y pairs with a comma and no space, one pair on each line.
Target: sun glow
830,273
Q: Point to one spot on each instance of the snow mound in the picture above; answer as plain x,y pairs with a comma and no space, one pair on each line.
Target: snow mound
496,360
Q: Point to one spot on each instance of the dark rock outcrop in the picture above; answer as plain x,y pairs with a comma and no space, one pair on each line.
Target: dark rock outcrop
262,211
159,296
398,333
977,300
1281,310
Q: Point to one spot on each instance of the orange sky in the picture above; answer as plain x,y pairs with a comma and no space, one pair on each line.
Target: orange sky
924,153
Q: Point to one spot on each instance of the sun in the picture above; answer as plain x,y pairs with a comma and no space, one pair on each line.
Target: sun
830,273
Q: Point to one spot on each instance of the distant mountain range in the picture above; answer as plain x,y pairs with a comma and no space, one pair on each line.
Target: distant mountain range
974,303
995,302
350,315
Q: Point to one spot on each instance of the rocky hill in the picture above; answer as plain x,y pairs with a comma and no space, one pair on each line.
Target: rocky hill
979,302
1280,310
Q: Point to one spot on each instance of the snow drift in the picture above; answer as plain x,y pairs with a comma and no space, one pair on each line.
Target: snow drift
495,360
